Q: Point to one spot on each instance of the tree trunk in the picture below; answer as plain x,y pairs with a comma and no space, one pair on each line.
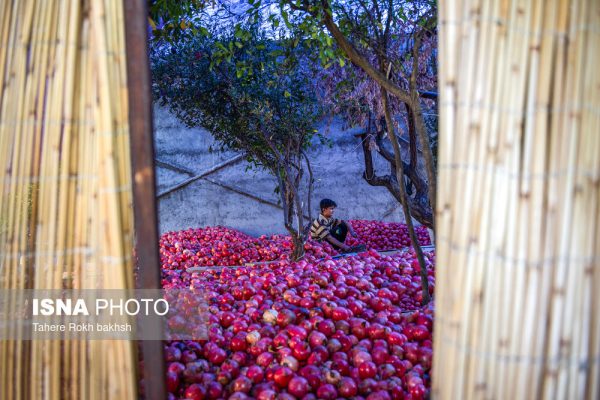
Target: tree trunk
298,243
419,124
311,181
404,198
419,203
292,208
412,137
409,97
427,154
290,198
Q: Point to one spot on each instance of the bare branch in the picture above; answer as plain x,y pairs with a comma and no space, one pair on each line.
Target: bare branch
415,105
369,15
360,61
311,181
404,202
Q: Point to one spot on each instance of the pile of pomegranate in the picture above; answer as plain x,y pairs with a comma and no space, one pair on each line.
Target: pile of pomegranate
221,246
380,236
319,328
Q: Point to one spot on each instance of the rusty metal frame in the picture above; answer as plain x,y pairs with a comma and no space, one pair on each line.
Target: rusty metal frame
144,183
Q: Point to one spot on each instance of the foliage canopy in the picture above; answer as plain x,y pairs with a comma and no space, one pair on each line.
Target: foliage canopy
241,86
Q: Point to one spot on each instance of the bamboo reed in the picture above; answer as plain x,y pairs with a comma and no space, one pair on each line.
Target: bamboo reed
64,153
477,127
517,316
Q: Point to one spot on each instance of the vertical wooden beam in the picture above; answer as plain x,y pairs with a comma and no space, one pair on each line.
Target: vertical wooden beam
144,184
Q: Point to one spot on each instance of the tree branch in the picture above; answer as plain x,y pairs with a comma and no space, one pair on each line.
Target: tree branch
419,204
370,16
390,13
389,157
310,185
357,59
287,188
415,104
407,214
412,137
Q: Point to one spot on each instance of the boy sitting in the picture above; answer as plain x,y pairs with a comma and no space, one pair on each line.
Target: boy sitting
333,230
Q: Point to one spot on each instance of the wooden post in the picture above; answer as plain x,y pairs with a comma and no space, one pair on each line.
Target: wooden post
144,184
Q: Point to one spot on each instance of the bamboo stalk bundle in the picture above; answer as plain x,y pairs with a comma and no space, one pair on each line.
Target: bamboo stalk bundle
65,211
518,286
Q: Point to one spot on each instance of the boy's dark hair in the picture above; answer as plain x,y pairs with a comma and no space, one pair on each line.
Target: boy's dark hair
326,203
